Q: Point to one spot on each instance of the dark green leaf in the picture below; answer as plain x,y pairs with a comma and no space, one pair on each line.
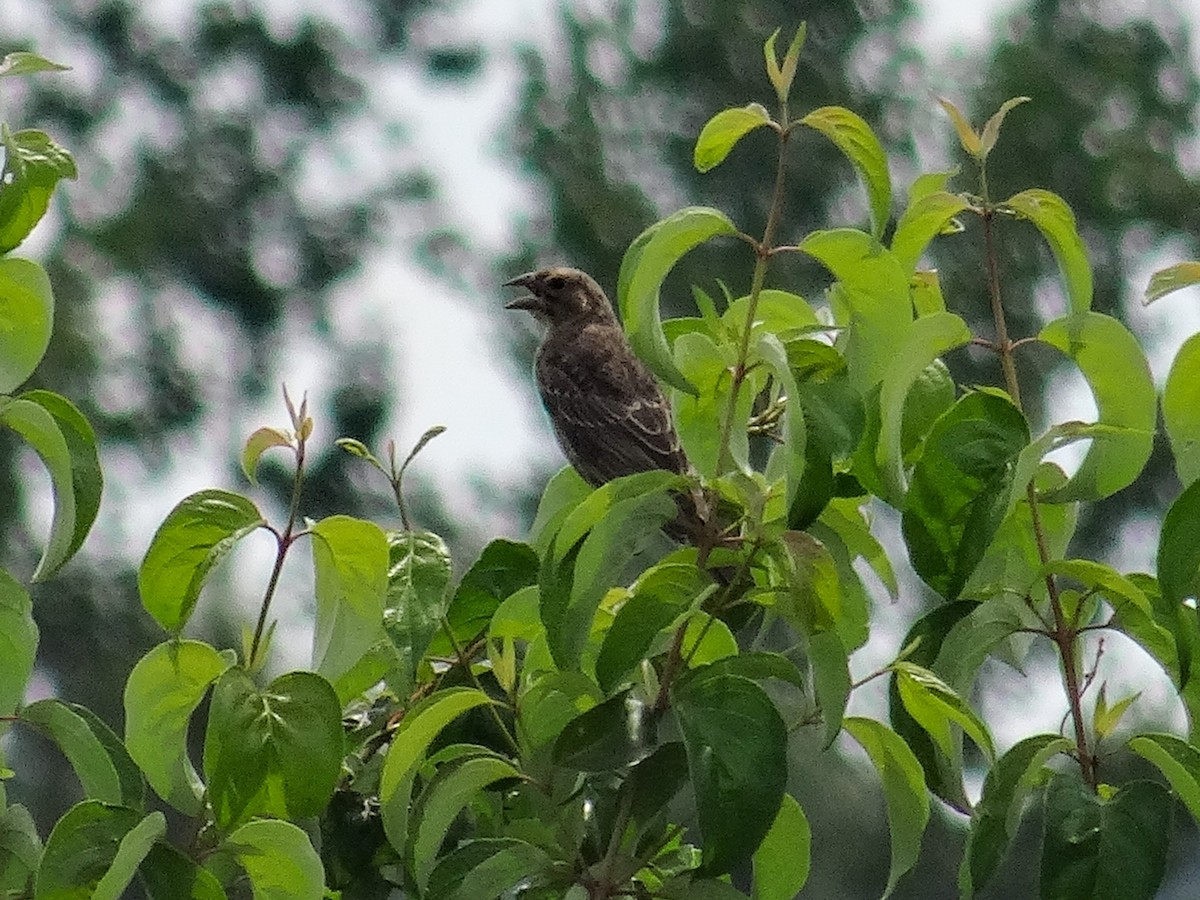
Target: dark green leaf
1095,848
484,869
33,165
276,752
168,874
831,679
277,858
18,642
82,846
960,488
418,578
1181,409
617,733
737,756
1179,762
996,816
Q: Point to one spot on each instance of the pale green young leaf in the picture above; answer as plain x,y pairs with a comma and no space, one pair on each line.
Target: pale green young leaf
936,707
707,366
259,442
791,59
723,131
1111,359
1170,279
853,136
907,801
991,130
564,491
196,535
22,62
27,308
967,136
646,263
929,183
774,73
350,561
782,860
1105,718
1055,220
1181,410
769,350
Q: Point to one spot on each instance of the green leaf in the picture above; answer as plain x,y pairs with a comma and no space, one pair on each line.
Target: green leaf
1111,360
769,349
991,130
1172,278
813,601
935,706
707,640
831,679
163,690
707,366
1181,410
658,597
996,817
42,432
610,736
23,62
262,440
926,341
275,752
278,859
412,738
351,565
922,221
1012,561
960,488
903,791
27,309
82,847
645,265
551,701
926,291
782,860
966,134
503,568
568,604
99,759
1179,762
943,773
725,129
1097,848
1178,549
418,578
453,787
782,77
853,136
1054,219
565,491
872,302
737,756
20,851
779,312
33,166
168,874
134,848
972,640
1106,718
87,480
196,535
18,643
484,869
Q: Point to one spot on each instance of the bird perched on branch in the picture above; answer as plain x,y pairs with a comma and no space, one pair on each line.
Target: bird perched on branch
608,411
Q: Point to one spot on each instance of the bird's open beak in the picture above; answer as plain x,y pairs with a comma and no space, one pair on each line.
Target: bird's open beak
528,302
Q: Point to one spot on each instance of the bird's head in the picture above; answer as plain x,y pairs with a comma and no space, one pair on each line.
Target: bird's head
560,294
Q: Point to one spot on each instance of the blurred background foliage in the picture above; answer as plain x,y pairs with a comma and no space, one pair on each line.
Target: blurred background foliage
223,197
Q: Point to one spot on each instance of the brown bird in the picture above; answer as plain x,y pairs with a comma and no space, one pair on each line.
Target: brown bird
608,411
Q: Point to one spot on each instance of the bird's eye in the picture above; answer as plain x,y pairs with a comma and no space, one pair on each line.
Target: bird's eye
557,283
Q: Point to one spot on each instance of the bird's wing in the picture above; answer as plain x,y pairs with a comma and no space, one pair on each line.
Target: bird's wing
608,412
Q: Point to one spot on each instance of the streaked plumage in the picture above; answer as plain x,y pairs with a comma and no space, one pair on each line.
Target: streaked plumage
608,411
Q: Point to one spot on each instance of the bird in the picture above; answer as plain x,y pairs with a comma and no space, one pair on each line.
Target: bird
608,412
